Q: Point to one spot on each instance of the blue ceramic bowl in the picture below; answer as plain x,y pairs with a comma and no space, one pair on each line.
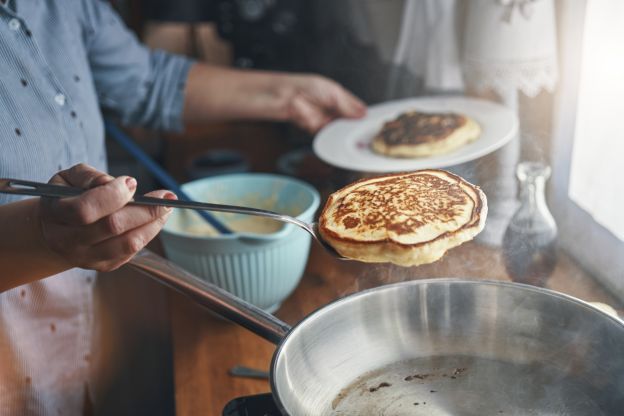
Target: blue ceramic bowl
262,261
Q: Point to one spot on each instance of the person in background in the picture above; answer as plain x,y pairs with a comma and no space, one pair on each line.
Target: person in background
60,62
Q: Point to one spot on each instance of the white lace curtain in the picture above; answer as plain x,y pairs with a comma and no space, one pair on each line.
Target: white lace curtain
598,147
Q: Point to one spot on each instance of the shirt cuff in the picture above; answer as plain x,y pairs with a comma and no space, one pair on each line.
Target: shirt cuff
173,78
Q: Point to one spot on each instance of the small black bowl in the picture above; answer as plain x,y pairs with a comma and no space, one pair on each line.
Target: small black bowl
217,162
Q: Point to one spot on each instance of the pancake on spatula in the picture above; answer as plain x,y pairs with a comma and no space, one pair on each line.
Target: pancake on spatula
407,218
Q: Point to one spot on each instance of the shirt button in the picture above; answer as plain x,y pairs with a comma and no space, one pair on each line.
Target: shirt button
60,99
14,24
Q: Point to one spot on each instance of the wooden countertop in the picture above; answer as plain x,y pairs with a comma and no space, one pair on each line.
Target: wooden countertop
205,347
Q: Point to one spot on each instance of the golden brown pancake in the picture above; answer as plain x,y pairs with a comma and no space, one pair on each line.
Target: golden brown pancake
417,134
407,219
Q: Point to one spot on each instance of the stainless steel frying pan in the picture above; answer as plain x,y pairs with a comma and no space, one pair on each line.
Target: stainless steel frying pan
433,347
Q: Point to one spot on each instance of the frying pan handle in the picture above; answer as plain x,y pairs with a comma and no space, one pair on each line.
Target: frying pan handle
213,297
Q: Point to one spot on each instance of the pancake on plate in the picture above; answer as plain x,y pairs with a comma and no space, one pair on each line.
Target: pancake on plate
417,134
407,218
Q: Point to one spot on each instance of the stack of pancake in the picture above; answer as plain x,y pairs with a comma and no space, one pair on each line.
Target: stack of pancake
407,219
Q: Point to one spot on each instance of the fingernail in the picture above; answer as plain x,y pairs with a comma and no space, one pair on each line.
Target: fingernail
131,183
170,196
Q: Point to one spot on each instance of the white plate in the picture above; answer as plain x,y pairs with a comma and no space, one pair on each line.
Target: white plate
346,143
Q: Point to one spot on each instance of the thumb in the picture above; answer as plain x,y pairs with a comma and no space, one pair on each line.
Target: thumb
81,176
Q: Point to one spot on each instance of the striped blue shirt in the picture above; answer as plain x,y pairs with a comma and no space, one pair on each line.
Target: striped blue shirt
61,61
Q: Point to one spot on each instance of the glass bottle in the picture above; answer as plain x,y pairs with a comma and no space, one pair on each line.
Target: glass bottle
529,242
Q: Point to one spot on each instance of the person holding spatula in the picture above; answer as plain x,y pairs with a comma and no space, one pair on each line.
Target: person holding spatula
61,62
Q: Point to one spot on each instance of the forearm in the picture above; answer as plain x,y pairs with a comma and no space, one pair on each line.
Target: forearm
217,93
24,256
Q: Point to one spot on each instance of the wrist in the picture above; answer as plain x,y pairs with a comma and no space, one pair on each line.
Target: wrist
281,95
24,255
54,259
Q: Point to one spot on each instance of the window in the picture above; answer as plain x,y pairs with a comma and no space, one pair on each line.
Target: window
589,139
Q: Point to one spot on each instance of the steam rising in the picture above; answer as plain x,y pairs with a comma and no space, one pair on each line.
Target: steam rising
470,260
474,259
